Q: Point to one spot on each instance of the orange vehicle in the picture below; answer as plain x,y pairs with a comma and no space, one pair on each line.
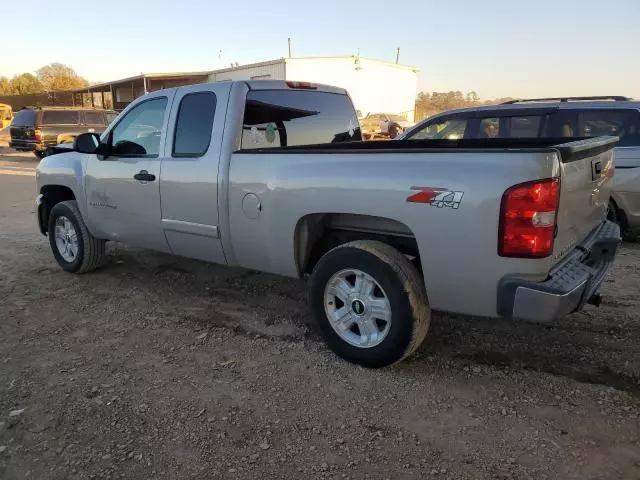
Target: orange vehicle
6,115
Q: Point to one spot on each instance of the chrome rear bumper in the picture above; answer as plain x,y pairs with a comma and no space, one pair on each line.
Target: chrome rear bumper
574,282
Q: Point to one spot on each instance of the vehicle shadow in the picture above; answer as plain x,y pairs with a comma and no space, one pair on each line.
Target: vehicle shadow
595,346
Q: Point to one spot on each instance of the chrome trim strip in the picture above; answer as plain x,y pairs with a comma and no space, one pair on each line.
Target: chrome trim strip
191,228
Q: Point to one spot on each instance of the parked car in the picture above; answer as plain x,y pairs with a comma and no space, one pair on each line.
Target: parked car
6,115
371,123
36,128
570,117
272,176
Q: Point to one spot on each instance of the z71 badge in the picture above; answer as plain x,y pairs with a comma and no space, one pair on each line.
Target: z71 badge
436,197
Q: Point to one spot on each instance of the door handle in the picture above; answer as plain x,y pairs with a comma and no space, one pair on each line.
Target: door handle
144,176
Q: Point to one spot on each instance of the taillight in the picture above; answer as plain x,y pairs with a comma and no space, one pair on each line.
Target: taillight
37,134
302,85
528,219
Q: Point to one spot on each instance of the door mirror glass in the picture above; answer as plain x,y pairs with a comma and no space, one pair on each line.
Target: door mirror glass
86,143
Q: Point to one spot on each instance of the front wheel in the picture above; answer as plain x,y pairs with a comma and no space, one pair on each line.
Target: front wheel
74,248
370,303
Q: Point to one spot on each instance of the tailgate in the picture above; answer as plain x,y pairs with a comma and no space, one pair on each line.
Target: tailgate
587,168
22,133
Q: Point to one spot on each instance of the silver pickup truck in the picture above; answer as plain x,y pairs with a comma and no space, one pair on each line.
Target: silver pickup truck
271,176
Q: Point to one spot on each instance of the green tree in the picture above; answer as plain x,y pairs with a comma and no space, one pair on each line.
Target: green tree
24,84
59,77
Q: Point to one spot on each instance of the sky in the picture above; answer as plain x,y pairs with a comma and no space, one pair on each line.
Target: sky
497,48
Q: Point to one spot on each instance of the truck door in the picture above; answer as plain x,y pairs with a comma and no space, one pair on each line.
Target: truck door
123,189
189,180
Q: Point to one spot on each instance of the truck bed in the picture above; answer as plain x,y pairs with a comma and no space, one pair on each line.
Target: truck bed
570,148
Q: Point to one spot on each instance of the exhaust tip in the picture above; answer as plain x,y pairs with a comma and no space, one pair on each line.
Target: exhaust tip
595,299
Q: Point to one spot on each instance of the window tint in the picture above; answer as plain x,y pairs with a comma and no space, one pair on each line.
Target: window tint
138,132
622,123
24,118
281,118
524,127
194,124
489,128
452,129
94,118
60,117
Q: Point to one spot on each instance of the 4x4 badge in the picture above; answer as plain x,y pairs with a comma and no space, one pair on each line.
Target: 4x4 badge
437,197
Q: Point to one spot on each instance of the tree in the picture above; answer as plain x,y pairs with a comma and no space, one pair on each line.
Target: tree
24,84
59,77
5,86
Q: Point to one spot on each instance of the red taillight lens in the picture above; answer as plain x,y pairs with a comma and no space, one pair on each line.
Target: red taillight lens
302,85
528,219
37,134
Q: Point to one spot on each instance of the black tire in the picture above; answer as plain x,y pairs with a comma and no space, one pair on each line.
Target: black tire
404,289
39,155
612,213
91,251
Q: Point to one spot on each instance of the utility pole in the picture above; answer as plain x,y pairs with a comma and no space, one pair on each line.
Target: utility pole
397,54
289,41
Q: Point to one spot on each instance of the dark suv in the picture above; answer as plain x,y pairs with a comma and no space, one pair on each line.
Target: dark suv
36,128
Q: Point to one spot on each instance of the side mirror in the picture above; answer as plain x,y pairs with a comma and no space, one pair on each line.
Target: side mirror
86,143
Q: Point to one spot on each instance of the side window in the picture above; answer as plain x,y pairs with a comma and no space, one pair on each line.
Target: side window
60,117
561,124
451,129
489,128
524,127
282,118
620,123
194,124
94,118
138,132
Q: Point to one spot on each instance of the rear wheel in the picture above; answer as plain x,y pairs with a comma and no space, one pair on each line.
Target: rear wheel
612,213
370,303
74,248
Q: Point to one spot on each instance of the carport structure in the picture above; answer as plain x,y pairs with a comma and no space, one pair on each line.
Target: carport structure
119,93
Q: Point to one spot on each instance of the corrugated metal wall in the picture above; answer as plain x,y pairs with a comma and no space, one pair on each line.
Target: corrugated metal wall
267,71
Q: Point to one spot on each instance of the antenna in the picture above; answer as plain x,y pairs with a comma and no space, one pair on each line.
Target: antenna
397,54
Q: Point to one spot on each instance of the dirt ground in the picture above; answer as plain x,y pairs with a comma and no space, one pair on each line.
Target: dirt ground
161,367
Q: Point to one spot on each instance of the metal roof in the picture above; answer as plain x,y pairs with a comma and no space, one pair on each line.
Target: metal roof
146,75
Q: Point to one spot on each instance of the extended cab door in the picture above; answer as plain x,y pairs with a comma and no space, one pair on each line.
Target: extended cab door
189,182
123,189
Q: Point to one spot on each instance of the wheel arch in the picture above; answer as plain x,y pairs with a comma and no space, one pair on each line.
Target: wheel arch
317,233
50,195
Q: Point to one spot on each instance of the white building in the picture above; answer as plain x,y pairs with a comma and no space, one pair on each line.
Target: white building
375,86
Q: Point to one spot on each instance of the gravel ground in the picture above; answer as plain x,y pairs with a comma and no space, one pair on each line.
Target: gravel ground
161,367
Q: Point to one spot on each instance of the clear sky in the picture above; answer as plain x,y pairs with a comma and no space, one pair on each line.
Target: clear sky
497,48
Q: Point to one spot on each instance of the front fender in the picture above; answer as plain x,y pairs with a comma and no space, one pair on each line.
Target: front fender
63,170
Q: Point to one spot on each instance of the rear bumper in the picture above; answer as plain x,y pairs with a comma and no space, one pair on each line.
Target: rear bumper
30,145
26,145
570,285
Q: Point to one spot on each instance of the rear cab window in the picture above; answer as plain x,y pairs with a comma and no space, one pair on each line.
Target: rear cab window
284,118
60,117
24,118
